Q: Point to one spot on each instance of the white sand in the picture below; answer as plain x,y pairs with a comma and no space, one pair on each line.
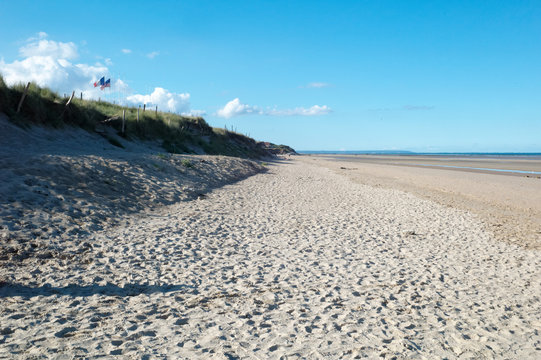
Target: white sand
59,186
509,206
299,262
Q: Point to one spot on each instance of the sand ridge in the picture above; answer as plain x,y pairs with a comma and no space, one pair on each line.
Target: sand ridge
298,262
59,186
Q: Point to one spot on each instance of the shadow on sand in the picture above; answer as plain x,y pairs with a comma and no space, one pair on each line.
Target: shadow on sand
24,291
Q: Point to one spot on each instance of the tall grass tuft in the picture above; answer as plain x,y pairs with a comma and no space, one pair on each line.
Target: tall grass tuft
4,95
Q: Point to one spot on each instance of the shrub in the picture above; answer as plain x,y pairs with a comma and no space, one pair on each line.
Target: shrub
187,163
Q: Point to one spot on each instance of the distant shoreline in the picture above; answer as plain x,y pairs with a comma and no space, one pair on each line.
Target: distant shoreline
508,202
411,153
515,165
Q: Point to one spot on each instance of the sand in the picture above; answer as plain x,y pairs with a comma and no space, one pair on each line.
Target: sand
509,205
530,163
299,261
57,187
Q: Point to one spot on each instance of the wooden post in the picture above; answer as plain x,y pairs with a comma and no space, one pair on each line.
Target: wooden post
123,120
67,104
144,107
71,98
81,95
138,113
22,97
156,111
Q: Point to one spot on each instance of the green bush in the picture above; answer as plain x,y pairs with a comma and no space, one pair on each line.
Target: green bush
187,163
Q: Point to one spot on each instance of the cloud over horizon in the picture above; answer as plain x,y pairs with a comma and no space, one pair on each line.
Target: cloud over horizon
236,108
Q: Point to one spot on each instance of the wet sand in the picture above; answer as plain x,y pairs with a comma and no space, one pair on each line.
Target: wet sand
520,163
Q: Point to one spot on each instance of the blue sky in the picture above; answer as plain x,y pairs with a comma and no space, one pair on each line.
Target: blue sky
316,75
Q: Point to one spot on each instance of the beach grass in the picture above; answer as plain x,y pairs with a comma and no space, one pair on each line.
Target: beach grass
177,133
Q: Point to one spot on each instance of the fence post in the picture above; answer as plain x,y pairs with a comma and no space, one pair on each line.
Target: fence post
123,120
68,103
138,113
144,107
81,95
71,98
156,111
22,97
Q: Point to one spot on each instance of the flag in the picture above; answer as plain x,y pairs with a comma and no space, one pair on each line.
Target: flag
106,84
100,82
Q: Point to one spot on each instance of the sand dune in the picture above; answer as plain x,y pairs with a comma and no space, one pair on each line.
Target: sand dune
298,262
57,187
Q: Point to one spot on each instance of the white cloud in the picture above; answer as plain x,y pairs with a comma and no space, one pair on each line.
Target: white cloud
44,47
40,35
126,51
300,111
316,85
121,86
235,108
406,108
49,64
417,107
196,113
166,101
153,54
46,71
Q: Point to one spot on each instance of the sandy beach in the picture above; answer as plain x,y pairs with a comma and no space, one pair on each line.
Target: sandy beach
302,260
266,180
509,204
460,162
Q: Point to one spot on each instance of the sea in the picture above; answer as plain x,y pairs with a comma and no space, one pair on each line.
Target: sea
532,157
399,152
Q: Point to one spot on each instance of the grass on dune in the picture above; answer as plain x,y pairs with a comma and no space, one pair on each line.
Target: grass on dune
177,133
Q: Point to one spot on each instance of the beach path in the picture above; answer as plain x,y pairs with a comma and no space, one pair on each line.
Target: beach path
298,262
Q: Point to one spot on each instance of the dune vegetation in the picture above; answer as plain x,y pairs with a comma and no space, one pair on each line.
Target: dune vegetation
177,133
